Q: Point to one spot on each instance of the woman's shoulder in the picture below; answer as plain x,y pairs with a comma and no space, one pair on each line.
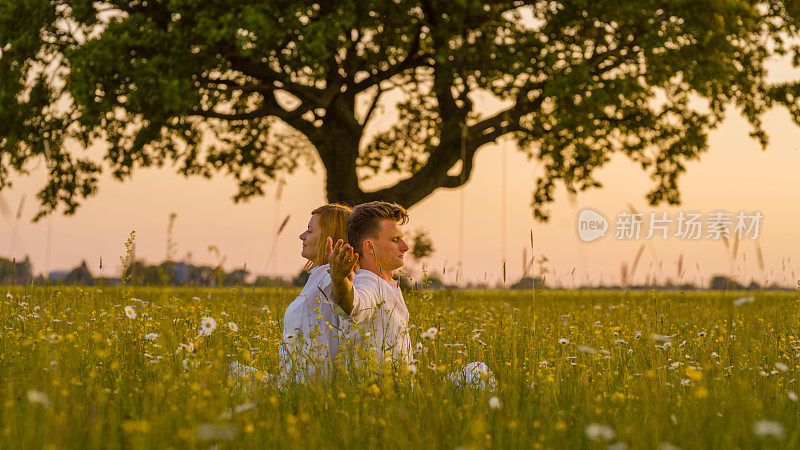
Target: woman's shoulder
319,275
319,271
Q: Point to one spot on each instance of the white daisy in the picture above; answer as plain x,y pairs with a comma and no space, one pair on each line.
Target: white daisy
130,312
769,428
207,326
598,432
151,336
661,337
40,398
587,349
429,334
232,326
744,300
494,402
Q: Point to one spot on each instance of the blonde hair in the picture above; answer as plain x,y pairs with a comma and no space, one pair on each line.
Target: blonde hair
332,222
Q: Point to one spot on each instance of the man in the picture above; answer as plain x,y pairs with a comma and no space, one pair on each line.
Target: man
371,300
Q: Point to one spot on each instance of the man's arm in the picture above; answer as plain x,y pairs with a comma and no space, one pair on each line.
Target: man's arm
342,262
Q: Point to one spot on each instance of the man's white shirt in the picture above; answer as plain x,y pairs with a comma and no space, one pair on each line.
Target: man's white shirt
379,318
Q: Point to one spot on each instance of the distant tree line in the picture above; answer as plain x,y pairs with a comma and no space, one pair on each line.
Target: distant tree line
171,273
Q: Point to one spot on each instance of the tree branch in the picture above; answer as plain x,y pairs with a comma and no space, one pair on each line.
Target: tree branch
315,96
412,60
372,107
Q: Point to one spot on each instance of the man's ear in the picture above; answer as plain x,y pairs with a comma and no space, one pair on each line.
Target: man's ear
368,248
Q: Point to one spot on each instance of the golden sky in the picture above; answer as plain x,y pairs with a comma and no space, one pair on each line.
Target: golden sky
734,175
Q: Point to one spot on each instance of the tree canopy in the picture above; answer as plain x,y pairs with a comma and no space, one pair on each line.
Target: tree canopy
256,88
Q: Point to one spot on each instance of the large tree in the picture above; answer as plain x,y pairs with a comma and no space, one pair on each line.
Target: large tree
253,88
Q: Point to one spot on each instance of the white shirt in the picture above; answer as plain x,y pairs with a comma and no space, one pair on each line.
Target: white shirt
310,329
379,319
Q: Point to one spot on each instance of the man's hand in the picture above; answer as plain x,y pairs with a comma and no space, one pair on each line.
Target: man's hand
342,262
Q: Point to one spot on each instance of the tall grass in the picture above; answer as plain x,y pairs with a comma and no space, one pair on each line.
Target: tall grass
692,370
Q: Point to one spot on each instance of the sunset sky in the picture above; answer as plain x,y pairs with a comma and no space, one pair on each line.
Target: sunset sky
733,176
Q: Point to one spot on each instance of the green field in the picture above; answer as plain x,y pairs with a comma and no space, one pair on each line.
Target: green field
587,369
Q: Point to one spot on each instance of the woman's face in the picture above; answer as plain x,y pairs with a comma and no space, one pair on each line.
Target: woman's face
311,239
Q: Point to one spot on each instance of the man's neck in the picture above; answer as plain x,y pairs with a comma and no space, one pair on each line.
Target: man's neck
375,268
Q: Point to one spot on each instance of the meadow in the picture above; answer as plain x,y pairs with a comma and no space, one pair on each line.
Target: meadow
135,368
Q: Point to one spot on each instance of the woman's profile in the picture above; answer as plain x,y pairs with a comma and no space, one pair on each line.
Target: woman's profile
310,340
310,324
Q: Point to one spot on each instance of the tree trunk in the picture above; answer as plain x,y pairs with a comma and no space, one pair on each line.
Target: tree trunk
338,150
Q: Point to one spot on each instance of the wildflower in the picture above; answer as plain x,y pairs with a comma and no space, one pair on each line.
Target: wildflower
668,446
232,326
211,432
244,407
429,334
661,338
702,334
207,326
695,373
587,349
494,402
53,338
768,428
151,336
135,426
292,339
39,398
412,368
744,300
792,396
598,432
563,341
781,366
130,312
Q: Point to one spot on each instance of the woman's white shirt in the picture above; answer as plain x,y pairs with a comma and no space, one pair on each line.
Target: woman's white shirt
310,330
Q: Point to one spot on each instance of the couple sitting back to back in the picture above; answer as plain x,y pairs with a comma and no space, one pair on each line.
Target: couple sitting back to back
353,297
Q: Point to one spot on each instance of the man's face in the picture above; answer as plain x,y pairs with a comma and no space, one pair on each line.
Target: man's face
389,247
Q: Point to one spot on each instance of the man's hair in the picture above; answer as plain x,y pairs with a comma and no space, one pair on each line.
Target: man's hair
333,223
365,221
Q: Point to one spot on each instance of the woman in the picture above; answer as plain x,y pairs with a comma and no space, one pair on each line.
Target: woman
310,324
